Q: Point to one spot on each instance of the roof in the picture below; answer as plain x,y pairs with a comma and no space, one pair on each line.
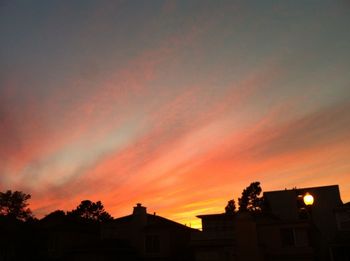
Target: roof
327,196
254,215
214,216
343,208
302,189
123,219
154,221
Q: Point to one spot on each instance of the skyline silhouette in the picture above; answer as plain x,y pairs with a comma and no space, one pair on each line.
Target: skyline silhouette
15,205
296,224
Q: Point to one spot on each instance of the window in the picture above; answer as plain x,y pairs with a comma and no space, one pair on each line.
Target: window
152,244
287,237
301,237
295,237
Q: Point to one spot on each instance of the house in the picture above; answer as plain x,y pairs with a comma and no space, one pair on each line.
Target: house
251,237
217,239
286,229
288,206
340,245
61,236
284,240
153,237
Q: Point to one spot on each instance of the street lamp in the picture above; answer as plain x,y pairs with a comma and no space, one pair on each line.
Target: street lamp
308,199
304,204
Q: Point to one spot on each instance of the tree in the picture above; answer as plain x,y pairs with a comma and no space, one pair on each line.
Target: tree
250,200
14,205
230,207
89,210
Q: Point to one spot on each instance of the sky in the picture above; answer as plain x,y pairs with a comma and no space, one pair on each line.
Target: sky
178,105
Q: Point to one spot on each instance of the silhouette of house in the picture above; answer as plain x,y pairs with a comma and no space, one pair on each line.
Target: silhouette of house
286,229
152,236
217,239
340,245
63,235
342,214
247,236
101,250
284,240
288,206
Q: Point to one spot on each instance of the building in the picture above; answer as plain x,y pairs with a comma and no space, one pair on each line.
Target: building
284,240
340,245
153,237
217,239
288,206
251,237
286,229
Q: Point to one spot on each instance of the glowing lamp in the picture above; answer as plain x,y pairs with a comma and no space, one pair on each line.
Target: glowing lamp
308,199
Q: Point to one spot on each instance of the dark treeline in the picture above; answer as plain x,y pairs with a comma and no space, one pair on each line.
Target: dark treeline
14,206
24,237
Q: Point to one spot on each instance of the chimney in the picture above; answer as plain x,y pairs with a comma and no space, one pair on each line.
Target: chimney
139,210
139,216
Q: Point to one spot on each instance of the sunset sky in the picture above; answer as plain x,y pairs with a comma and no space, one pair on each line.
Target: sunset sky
178,105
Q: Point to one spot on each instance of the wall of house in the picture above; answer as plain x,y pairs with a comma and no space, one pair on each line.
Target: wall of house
286,241
247,245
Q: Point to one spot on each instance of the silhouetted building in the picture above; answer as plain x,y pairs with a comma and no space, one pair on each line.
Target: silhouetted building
342,214
284,240
102,250
289,207
72,238
217,239
340,245
63,236
152,236
251,237
286,229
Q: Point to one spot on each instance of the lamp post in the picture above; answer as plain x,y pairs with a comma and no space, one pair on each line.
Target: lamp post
315,237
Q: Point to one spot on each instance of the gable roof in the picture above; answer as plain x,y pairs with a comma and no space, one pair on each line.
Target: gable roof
154,221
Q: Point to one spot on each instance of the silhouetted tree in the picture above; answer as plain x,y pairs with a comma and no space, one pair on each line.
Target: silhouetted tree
89,210
250,200
14,205
230,207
